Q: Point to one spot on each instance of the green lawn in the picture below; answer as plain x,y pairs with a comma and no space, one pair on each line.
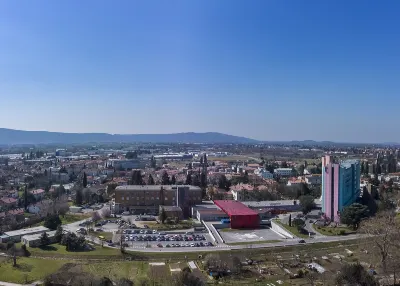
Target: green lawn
70,218
167,226
58,250
333,231
28,270
292,229
254,242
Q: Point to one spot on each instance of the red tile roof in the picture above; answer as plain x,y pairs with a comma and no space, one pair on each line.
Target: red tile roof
8,200
37,192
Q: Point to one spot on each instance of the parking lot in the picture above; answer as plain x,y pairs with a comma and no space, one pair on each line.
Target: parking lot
233,236
152,238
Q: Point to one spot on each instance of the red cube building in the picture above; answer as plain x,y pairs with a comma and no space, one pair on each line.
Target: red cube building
240,215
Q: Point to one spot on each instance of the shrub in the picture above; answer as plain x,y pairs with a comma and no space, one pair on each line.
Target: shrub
342,232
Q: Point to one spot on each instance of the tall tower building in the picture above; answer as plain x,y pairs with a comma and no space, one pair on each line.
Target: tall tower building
340,186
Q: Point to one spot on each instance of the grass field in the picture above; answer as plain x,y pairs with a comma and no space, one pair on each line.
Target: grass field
333,231
166,226
292,229
57,250
70,218
254,242
28,270
134,270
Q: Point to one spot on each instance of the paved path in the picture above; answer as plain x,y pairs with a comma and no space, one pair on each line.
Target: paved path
2,283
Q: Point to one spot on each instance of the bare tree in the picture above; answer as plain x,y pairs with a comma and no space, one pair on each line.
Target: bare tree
96,216
382,231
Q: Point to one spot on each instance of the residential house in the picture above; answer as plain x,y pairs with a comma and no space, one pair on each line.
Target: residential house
241,192
8,203
314,180
38,194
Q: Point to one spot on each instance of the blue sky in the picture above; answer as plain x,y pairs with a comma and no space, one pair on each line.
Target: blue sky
271,70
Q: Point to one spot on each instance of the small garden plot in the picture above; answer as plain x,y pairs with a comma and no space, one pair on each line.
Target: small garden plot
159,273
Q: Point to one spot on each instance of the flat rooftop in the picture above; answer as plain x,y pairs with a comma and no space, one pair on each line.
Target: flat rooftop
27,231
31,237
270,203
231,207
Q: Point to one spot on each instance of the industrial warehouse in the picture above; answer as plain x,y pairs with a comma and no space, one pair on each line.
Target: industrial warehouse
240,216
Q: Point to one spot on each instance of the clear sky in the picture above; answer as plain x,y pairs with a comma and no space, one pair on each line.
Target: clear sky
269,69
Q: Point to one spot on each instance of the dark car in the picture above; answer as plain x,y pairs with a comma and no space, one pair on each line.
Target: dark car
302,241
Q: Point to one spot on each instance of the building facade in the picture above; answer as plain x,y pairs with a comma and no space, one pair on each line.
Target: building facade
147,199
340,186
283,172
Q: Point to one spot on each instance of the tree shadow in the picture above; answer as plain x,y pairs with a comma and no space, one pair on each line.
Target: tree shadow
48,248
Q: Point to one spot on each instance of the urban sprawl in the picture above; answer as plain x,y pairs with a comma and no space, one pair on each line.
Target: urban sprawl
197,214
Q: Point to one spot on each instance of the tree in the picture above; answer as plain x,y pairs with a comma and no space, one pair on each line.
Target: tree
96,216
196,180
84,181
52,222
362,167
131,155
203,180
137,178
307,204
78,197
44,239
290,220
301,170
124,282
223,182
162,216
150,180
188,179
366,168
382,232
59,233
284,164
299,223
153,162
354,275
173,180
353,214
186,278
165,178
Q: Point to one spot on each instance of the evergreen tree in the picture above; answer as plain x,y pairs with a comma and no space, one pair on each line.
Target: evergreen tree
150,180
44,239
290,220
362,168
196,180
162,216
188,179
78,197
173,180
165,178
203,182
84,181
59,233
153,162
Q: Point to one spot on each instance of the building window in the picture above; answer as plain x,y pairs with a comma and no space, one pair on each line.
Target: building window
166,198
158,198
127,198
137,198
122,198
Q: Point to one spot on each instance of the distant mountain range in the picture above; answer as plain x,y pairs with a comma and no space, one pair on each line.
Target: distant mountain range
13,137
19,137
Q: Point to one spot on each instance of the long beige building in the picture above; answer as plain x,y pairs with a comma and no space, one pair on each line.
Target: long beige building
139,199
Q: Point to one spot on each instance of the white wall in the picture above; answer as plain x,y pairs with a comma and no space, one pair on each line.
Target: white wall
280,230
